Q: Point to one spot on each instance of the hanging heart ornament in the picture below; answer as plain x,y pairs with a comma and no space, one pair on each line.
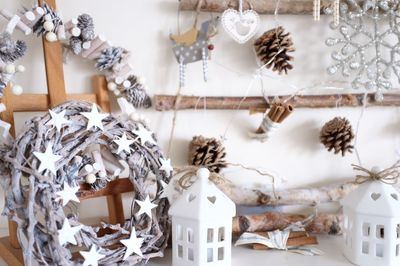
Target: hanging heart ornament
240,26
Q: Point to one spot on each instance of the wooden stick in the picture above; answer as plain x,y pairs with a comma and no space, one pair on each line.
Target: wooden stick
322,224
167,102
294,7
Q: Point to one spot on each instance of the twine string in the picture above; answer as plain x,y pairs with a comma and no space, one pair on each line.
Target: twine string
388,176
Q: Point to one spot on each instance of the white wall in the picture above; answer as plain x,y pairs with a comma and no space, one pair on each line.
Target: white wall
294,152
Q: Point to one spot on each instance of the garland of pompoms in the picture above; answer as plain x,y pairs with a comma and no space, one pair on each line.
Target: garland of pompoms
80,38
46,165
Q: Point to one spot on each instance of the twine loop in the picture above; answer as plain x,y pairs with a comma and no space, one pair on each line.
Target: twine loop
388,176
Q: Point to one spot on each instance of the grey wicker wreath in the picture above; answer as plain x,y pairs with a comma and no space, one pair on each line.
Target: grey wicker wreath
30,196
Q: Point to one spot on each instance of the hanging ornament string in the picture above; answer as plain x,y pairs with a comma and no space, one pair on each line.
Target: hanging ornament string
364,101
336,12
189,175
388,176
317,10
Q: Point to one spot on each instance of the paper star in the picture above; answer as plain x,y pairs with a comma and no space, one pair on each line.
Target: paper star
146,206
47,159
67,233
124,143
166,166
92,257
94,118
144,135
68,194
57,120
133,245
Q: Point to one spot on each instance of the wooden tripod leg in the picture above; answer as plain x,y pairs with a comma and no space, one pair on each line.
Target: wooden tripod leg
114,202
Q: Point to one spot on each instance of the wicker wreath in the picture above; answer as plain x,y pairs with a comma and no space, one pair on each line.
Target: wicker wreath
31,197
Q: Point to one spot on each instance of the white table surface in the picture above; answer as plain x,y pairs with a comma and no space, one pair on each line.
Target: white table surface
242,256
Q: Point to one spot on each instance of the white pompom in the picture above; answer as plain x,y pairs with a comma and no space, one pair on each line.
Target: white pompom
20,68
51,36
117,92
102,174
91,179
126,84
111,86
203,173
86,45
96,167
17,90
119,80
10,69
47,17
134,117
48,25
88,168
76,32
30,15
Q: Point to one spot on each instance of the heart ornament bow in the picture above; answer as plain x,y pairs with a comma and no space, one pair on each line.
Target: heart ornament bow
241,26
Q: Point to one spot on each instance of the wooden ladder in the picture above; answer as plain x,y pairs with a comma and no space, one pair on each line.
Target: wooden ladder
10,249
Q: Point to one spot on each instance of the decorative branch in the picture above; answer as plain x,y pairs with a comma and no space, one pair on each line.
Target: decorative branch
259,104
294,7
322,224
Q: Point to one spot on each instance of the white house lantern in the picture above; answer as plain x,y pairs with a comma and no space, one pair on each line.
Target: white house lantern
372,225
202,225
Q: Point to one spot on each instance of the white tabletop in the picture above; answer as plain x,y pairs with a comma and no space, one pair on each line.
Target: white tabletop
245,256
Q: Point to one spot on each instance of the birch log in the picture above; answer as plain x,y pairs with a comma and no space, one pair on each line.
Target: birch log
259,104
294,7
322,224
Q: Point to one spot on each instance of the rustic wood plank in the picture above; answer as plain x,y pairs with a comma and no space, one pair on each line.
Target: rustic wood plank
41,102
114,200
293,7
166,102
119,186
53,59
12,256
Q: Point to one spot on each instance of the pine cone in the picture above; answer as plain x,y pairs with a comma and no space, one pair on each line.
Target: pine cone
76,44
337,135
268,46
10,50
206,151
109,57
136,93
85,24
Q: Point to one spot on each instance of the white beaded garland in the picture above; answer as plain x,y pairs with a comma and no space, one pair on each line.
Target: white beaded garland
51,36
10,69
91,179
17,90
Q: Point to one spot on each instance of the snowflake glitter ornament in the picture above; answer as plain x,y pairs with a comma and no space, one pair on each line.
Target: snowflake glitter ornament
369,44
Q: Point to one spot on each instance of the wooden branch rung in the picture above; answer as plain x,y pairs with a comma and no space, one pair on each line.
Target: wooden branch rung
294,7
259,104
122,185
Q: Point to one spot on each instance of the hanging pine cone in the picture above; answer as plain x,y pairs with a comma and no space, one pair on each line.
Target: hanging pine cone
273,47
337,135
206,151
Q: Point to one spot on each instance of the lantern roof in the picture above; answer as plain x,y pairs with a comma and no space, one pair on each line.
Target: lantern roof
374,198
203,200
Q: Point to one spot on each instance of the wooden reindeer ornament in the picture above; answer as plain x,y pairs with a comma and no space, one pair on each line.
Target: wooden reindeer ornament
193,46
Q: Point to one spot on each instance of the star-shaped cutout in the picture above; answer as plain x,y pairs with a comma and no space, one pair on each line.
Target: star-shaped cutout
144,135
67,233
146,206
124,143
133,245
57,120
47,159
166,166
92,257
68,194
94,118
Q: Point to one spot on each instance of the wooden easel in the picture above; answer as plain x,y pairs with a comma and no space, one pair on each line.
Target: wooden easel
10,250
